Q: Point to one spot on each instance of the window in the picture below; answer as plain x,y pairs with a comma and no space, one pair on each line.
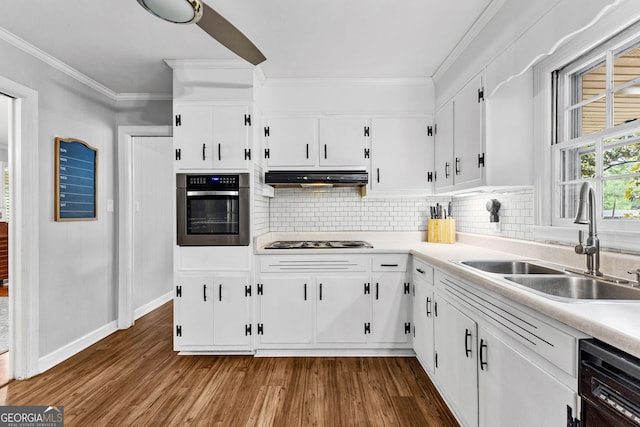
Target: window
597,132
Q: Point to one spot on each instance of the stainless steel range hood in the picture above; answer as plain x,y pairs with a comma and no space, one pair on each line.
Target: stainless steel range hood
317,178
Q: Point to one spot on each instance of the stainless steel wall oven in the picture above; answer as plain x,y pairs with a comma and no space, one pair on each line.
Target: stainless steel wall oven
213,209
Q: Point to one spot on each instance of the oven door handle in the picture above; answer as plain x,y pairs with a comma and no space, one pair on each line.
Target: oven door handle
211,193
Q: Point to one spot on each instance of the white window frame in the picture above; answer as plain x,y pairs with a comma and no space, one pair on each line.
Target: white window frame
623,234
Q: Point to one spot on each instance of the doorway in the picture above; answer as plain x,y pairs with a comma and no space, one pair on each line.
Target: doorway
5,122
153,188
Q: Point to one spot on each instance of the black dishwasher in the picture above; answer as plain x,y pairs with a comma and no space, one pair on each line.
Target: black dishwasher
609,386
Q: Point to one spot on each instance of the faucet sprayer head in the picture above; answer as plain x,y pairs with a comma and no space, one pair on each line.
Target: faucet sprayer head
582,217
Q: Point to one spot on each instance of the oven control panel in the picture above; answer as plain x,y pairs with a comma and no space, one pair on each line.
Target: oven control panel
212,182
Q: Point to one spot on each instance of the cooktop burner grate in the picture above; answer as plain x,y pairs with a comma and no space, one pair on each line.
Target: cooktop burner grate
318,244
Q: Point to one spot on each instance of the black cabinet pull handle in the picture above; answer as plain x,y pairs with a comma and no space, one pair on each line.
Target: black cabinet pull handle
219,152
388,265
377,290
419,270
378,173
204,292
435,308
320,291
428,307
483,346
305,291
307,151
325,151
446,170
220,292
467,342
457,165
204,152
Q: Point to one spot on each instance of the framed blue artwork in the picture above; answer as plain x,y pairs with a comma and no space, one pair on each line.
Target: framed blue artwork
75,180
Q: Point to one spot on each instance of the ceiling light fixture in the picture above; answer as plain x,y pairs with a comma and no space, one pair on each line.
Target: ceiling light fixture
176,11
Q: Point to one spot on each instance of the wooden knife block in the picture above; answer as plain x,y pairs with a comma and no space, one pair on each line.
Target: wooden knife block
441,230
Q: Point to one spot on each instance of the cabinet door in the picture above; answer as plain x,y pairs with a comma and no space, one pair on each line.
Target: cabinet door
231,310
286,315
343,308
423,316
291,142
343,142
467,132
515,391
230,137
444,148
389,320
194,311
193,136
456,360
401,154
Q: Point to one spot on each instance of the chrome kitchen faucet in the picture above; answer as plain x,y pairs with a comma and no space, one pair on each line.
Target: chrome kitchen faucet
587,215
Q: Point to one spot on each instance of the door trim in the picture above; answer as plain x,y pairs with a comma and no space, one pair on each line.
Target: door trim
24,230
126,204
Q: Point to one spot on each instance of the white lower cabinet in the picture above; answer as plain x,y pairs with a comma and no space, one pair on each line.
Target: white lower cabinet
456,366
333,303
513,391
212,312
423,314
285,306
193,311
390,308
497,364
342,309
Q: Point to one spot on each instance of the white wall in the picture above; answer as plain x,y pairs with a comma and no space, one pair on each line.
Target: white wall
77,259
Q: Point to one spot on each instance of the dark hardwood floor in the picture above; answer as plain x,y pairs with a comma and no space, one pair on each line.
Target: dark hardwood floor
134,378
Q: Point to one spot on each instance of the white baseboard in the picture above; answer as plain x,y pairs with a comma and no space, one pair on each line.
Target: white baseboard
150,306
63,353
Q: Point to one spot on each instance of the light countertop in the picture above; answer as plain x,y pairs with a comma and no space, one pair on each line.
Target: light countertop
617,323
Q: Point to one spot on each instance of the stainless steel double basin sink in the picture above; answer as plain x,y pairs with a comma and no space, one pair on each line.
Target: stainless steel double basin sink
556,282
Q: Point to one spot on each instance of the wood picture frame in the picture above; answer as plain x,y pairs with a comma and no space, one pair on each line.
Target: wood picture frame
76,173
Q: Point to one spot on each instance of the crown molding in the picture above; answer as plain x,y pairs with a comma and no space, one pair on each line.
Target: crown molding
55,63
179,64
348,81
144,97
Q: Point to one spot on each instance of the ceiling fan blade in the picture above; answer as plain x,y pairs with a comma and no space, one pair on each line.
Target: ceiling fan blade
229,36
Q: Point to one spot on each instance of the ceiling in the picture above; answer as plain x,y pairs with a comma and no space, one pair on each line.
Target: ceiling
121,46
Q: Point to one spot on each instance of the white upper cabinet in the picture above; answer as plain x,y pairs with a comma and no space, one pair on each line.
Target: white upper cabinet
443,172
401,155
291,142
211,136
344,142
485,143
459,142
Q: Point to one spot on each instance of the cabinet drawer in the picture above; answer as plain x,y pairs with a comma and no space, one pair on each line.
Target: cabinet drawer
389,262
301,263
422,270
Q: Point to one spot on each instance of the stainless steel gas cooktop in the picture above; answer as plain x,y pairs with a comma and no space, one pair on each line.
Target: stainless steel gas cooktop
318,244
